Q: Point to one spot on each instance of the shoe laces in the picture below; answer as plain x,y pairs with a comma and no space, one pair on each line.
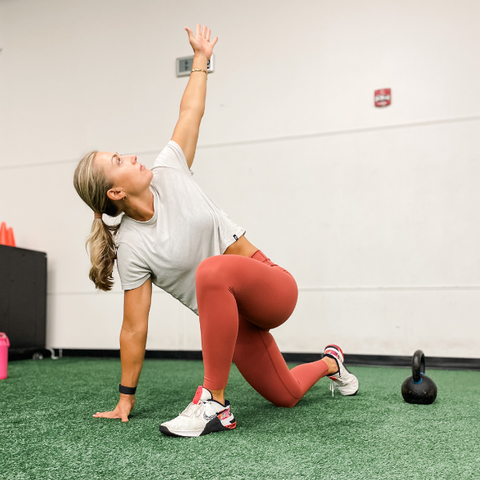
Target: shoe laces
332,388
193,410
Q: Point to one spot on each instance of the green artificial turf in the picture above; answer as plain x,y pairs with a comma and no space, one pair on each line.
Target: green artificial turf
47,430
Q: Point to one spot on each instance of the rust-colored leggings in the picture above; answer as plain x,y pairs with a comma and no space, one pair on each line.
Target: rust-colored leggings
239,300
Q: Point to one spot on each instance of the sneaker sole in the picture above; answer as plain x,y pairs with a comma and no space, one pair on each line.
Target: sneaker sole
348,394
214,425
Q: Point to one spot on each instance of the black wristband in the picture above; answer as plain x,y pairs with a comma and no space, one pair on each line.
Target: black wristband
127,390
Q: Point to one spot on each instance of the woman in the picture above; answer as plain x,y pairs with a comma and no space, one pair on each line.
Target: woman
173,236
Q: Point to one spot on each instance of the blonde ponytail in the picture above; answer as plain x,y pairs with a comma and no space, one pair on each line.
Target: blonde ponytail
92,186
101,245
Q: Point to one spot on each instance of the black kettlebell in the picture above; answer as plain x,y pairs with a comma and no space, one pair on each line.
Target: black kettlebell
419,388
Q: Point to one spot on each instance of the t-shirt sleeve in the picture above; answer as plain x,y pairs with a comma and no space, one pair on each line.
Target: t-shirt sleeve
172,156
132,269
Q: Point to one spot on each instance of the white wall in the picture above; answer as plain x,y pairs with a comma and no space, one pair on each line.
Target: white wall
374,210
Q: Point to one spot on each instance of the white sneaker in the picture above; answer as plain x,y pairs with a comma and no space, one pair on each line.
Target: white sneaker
202,416
344,381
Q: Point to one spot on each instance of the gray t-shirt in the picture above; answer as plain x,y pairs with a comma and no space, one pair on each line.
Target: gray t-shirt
186,228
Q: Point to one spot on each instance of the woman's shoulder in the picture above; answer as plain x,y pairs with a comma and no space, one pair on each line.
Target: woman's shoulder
129,251
128,231
172,156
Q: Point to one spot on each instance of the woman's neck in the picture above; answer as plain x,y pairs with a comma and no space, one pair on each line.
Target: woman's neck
141,208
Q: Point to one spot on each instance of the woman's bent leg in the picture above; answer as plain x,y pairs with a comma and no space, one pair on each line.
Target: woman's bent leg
229,285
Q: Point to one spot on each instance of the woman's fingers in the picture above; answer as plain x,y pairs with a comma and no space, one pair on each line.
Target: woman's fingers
122,415
122,410
201,32
105,415
200,42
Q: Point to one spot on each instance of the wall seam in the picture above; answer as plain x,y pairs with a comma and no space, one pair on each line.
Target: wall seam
351,131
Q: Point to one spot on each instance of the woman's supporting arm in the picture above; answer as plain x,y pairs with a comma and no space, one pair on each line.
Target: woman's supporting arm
192,105
133,339
133,336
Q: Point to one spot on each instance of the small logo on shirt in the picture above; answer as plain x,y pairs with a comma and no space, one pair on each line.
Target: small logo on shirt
235,237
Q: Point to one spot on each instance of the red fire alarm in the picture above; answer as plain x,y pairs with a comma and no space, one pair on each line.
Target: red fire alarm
383,97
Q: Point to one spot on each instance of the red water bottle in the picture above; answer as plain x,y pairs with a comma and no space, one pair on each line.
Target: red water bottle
4,344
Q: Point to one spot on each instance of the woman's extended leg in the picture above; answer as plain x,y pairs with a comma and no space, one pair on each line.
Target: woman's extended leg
260,362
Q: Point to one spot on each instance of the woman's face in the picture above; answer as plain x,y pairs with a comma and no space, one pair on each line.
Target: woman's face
127,175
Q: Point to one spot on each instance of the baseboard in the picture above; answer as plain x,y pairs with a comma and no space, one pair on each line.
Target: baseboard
26,353
439,363
443,363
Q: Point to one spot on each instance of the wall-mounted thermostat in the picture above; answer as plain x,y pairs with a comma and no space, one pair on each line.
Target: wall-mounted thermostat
185,65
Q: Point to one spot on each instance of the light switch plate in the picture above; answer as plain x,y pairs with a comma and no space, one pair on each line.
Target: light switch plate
184,66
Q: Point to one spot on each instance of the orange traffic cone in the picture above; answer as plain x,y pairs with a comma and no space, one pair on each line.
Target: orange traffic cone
10,237
3,234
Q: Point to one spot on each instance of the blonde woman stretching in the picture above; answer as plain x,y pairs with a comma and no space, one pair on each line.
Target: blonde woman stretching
174,236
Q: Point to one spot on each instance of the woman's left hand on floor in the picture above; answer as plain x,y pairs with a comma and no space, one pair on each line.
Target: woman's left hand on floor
122,410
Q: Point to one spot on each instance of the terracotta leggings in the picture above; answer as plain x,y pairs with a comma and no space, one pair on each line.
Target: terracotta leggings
239,300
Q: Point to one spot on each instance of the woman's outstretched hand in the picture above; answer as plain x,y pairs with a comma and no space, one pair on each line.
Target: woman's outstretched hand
122,410
200,42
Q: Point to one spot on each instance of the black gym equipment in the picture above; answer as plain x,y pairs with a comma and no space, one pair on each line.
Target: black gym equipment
23,301
419,388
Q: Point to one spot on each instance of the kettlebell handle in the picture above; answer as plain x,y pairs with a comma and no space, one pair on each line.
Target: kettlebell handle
418,366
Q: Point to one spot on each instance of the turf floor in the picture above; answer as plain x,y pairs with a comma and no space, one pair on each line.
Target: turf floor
47,430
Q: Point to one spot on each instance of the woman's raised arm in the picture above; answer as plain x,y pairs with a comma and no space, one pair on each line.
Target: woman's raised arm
192,105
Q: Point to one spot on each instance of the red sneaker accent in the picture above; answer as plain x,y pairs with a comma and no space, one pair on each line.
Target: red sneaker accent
224,414
336,346
333,352
198,394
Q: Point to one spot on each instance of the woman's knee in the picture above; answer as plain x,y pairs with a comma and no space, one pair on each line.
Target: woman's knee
211,272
